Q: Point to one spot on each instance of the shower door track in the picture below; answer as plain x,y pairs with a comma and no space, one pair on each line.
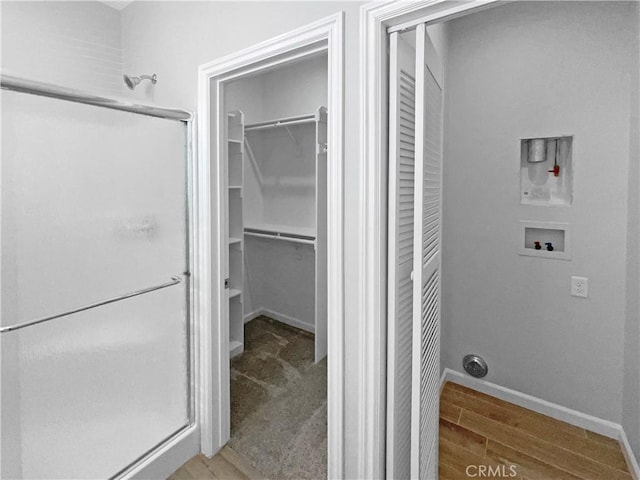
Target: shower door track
18,84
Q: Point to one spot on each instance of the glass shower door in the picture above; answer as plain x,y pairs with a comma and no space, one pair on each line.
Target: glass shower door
93,209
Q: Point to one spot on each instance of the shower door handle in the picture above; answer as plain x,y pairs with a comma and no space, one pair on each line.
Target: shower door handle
174,281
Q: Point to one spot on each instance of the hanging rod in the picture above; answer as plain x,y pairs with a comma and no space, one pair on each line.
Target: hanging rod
18,84
282,122
278,235
281,237
11,328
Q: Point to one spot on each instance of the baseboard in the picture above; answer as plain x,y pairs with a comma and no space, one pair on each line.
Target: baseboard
443,379
632,461
255,314
553,410
235,349
168,458
281,317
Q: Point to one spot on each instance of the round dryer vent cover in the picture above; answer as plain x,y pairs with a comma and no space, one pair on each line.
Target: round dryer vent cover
475,366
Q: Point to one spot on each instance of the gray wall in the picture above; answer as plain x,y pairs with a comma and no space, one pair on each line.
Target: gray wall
523,70
631,392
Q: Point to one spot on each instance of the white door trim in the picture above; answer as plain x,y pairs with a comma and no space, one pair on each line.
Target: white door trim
375,19
213,352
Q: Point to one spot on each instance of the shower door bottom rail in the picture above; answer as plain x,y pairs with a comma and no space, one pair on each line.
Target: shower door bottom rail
11,328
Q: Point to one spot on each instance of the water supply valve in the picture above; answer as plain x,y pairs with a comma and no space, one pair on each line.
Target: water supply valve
555,170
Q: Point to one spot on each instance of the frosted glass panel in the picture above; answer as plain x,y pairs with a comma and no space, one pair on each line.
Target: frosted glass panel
96,389
93,207
93,204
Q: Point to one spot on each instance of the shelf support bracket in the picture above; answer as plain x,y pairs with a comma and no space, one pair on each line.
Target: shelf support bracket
295,140
254,163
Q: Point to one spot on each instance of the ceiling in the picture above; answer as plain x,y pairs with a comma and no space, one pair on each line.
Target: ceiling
117,4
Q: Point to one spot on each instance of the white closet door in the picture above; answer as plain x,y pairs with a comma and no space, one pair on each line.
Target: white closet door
426,261
400,242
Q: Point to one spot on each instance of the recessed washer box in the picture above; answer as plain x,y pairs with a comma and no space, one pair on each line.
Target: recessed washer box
546,171
555,233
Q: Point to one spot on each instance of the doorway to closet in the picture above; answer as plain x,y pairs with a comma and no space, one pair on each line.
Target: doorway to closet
250,122
276,266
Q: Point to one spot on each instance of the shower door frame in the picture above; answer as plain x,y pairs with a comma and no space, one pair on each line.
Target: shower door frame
171,452
324,35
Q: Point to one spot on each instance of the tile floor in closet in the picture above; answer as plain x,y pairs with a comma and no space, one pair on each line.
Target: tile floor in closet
278,410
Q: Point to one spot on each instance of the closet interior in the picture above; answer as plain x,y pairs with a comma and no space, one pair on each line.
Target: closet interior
276,175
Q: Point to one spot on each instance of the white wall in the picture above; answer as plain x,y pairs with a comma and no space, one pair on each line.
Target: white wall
296,90
73,44
174,38
280,276
538,69
246,95
439,35
631,393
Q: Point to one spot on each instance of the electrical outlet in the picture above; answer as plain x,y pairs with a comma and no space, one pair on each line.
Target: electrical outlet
580,287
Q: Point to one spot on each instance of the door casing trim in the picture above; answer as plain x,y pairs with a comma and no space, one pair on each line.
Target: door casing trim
213,351
376,20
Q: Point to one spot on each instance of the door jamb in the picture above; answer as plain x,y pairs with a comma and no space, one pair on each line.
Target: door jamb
212,350
376,18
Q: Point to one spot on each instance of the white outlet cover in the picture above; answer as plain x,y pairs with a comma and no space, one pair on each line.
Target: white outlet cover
580,287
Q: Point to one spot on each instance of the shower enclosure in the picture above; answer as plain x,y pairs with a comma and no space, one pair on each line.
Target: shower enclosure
96,345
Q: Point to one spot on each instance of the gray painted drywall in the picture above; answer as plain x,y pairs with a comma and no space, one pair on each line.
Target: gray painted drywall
631,391
523,70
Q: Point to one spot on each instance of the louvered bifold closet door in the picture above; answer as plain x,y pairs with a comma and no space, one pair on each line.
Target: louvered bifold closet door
400,244
427,244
